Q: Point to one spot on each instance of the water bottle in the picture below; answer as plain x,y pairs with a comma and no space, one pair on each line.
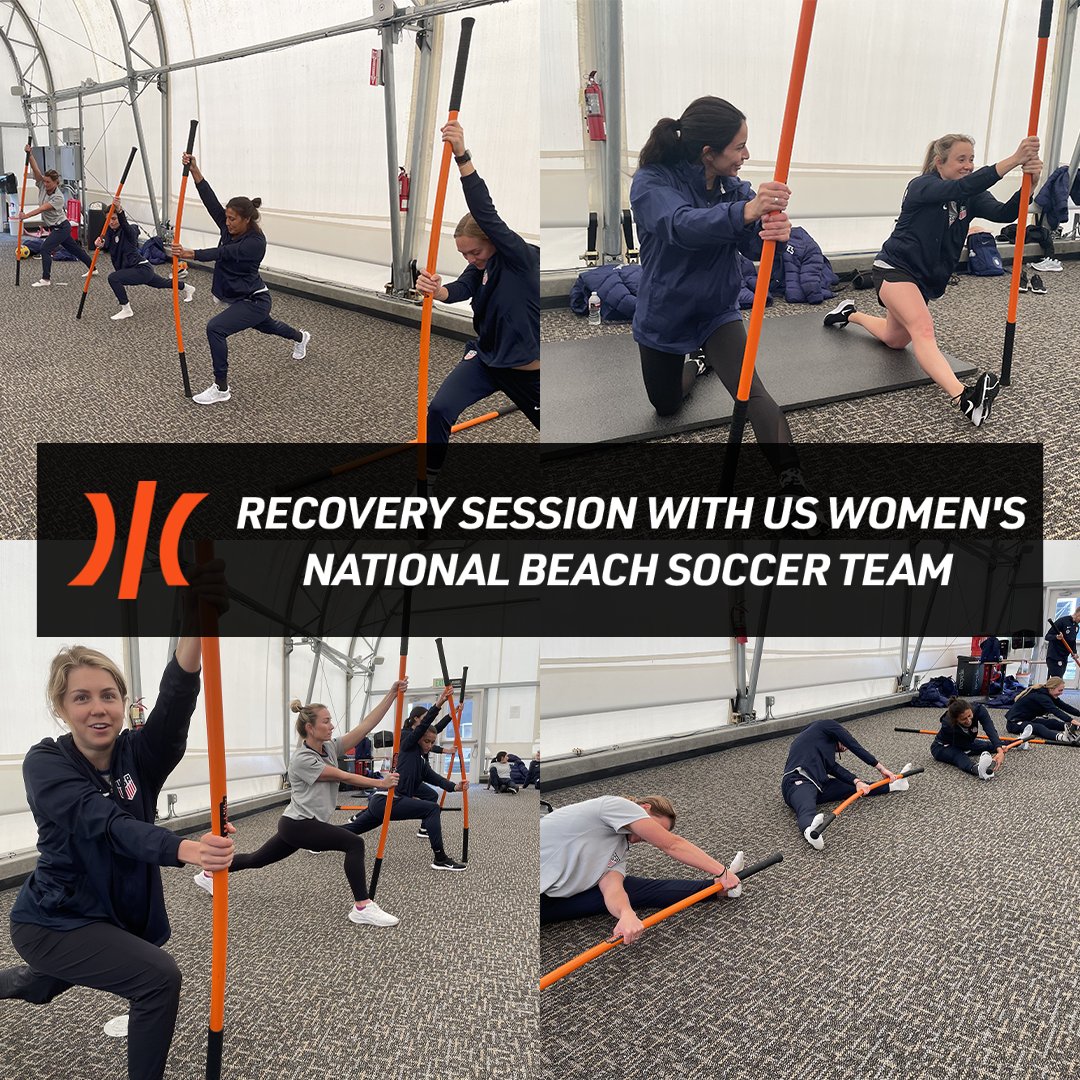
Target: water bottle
594,310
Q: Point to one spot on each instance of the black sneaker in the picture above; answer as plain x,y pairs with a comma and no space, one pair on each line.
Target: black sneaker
444,862
976,401
1037,285
840,314
421,831
1024,286
791,483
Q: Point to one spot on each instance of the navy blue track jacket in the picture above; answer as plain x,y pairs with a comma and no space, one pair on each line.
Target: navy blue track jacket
689,239
412,768
933,224
236,259
961,737
123,244
99,849
506,293
1055,650
1039,702
814,752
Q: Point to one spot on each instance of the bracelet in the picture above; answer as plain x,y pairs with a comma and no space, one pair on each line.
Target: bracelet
464,159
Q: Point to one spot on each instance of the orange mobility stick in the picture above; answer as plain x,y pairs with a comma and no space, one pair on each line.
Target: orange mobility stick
219,816
399,711
176,263
433,258
815,833
761,293
1006,746
104,232
1046,15
598,950
456,714
457,728
22,205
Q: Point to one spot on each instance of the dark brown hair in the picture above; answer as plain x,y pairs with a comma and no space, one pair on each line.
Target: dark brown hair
246,208
707,121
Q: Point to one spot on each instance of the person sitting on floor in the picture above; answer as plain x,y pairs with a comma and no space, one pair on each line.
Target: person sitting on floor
499,774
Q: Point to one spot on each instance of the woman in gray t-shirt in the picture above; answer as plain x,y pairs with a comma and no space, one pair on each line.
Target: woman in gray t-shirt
314,778
584,849
53,211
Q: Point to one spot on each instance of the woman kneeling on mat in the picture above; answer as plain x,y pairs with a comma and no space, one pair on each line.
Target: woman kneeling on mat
917,261
53,211
584,850
503,282
129,266
93,913
813,775
314,778
236,283
410,803
1040,710
958,740
694,217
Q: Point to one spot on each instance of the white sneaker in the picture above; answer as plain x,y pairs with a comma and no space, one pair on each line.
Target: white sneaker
124,313
738,861
1047,265
902,783
91,273
117,1027
187,294
204,881
40,284
986,766
300,348
212,395
817,843
372,915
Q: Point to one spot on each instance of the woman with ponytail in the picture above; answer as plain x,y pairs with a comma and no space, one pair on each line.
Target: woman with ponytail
314,778
917,261
694,217
1049,717
958,742
236,283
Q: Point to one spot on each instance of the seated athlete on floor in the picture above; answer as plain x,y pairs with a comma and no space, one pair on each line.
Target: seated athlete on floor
1040,709
503,284
314,778
917,260
694,217
584,852
413,774
958,740
813,775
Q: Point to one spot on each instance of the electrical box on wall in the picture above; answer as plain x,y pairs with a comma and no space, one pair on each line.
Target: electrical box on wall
70,135
70,158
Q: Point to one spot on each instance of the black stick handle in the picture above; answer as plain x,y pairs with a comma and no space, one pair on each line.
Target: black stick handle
829,819
127,167
1046,15
757,867
442,662
82,304
191,137
464,678
462,62
731,453
406,616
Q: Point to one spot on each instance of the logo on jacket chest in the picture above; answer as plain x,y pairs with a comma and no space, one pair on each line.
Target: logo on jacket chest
483,280
956,212
125,787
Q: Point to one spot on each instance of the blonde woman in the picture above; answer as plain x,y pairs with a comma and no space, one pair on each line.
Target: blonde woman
917,260
1049,717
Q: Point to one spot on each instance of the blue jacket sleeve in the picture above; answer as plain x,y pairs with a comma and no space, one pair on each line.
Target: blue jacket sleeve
412,737
441,726
507,242
248,251
841,734
210,201
982,717
465,287
984,205
660,209
430,776
59,792
931,188
160,743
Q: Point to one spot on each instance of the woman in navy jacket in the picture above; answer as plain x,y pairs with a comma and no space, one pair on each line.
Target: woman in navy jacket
958,740
236,283
129,266
917,260
694,216
92,913
503,283
1040,708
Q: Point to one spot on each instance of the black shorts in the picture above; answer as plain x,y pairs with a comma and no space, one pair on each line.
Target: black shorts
879,275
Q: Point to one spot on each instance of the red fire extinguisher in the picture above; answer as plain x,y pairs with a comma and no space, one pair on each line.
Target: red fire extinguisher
594,109
403,189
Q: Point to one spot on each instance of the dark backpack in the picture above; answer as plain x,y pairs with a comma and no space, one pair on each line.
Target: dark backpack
983,257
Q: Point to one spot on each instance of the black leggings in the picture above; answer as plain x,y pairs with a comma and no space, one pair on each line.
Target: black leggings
103,957
312,835
669,378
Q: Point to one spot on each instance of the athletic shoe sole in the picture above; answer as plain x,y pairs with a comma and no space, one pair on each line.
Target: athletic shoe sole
456,867
840,315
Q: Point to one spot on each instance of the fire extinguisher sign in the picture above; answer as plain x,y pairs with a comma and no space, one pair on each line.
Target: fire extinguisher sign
376,67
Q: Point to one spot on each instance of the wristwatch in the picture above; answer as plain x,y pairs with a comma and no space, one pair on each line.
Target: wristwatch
464,159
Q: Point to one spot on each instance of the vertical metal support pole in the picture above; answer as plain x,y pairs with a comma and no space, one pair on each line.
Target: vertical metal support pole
133,90
131,655
314,673
422,127
755,668
348,698
286,697
1059,83
740,679
609,61
82,160
398,278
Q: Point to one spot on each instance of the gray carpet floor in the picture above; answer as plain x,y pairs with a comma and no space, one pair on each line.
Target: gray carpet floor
95,380
970,323
932,938
449,992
